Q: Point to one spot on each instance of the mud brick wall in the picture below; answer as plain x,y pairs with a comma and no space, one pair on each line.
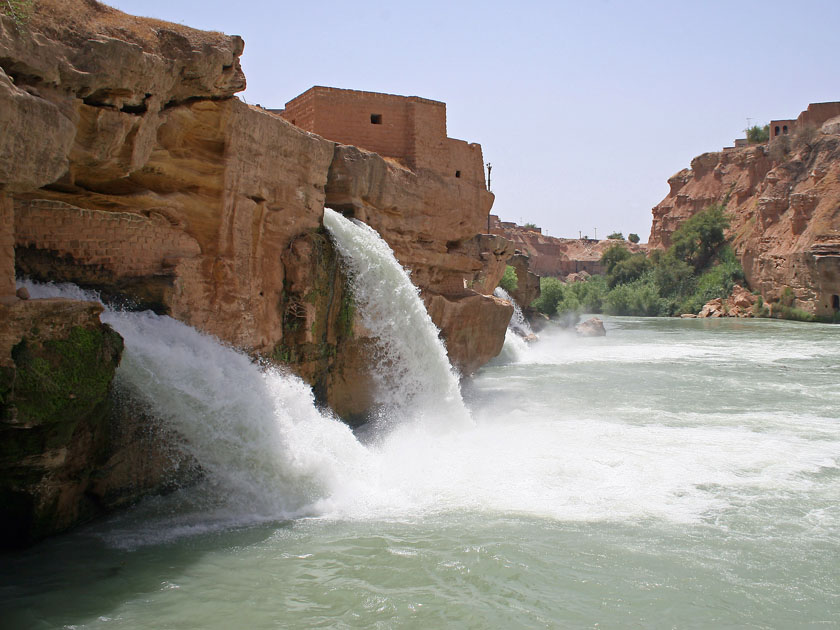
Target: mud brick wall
409,128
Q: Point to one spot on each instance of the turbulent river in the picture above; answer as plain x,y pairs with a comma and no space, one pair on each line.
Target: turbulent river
673,474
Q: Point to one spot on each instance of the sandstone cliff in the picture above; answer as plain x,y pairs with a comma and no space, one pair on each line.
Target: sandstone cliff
784,202
128,165
154,184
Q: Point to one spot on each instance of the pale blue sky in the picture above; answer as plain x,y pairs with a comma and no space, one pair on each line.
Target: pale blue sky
583,108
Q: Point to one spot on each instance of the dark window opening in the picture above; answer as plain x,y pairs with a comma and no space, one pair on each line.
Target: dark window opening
457,173
784,129
376,119
294,122
776,131
835,302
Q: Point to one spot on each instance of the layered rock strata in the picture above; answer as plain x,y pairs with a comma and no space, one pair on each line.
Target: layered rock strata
128,165
161,188
783,199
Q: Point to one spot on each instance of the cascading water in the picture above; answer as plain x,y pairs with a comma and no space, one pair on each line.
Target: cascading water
639,479
515,348
265,449
518,323
412,372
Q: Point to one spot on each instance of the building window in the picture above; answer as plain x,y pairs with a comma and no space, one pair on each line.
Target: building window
776,130
835,302
784,129
457,173
376,119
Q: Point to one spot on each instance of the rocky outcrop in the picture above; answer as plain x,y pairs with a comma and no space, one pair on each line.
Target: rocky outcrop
557,257
128,165
161,188
741,303
527,283
784,204
592,327
57,362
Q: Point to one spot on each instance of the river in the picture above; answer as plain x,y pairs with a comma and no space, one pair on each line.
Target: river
673,474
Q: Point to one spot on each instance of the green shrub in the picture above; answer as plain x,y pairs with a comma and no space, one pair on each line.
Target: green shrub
674,277
613,255
590,294
19,10
787,297
780,311
715,282
551,292
628,269
616,236
636,298
509,281
757,135
633,238
568,303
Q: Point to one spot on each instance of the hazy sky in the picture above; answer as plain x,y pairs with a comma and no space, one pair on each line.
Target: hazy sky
584,109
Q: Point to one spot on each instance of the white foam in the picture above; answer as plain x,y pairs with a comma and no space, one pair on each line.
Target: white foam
415,381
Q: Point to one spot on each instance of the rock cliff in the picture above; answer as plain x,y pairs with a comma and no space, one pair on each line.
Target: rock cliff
156,185
784,203
128,165
557,257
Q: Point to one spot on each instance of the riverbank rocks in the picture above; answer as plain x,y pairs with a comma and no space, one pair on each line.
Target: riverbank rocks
592,327
739,304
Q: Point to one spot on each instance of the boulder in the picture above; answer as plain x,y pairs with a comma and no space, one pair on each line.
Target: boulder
592,327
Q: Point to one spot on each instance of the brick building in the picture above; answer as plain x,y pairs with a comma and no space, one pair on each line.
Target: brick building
781,128
815,115
410,129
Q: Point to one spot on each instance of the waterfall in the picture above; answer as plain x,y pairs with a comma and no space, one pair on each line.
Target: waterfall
266,450
518,323
410,367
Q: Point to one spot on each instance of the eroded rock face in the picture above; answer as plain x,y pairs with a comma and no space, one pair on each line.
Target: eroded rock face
159,187
57,362
785,214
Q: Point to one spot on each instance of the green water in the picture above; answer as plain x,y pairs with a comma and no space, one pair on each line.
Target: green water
674,474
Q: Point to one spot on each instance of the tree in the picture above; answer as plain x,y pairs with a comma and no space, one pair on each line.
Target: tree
509,281
616,236
698,240
633,238
757,135
628,270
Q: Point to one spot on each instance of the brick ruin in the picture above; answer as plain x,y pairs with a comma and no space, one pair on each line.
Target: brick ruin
815,115
408,129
